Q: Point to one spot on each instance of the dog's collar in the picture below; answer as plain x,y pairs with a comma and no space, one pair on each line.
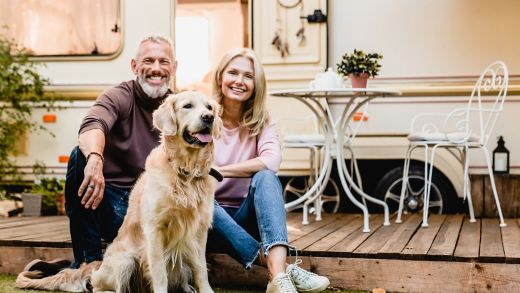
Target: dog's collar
216,174
185,173
212,172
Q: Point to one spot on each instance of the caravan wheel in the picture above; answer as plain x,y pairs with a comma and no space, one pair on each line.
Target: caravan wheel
442,198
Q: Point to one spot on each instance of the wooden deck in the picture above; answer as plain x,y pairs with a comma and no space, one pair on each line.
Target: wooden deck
451,255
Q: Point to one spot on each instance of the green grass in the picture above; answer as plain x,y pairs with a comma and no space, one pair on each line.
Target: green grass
7,285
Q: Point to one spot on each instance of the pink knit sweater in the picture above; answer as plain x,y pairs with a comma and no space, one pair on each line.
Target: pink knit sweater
235,146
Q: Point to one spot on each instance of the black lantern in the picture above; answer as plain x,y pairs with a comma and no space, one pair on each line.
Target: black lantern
501,158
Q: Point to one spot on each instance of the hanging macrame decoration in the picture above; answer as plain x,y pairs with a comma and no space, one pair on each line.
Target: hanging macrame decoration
279,41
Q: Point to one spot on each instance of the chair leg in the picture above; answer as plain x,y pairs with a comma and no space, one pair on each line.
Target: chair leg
493,187
427,184
467,188
404,185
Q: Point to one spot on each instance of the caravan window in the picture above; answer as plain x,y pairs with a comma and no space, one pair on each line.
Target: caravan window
63,27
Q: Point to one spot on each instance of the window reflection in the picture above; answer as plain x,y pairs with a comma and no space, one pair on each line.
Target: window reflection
63,27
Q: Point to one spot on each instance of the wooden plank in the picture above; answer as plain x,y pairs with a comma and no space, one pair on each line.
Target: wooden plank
508,192
491,249
346,246
317,235
468,245
45,235
28,221
372,246
361,274
225,271
446,239
422,240
398,240
418,276
477,194
511,241
299,230
14,259
38,230
352,223
13,233
292,218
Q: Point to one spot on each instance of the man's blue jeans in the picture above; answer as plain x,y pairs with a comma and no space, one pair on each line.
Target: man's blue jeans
88,227
259,222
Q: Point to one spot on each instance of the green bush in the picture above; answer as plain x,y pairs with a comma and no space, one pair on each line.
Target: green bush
21,88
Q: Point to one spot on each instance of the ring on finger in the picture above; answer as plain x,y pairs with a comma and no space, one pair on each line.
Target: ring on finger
91,186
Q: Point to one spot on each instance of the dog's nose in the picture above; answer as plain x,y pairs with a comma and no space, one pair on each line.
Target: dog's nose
208,118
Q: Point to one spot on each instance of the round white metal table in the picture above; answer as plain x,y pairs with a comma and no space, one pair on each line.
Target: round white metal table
318,101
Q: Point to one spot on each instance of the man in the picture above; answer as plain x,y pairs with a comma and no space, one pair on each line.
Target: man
115,138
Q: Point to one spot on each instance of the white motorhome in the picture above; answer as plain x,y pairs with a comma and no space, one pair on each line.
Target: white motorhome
433,51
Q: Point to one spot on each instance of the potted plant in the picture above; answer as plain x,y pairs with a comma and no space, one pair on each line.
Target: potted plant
359,66
45,196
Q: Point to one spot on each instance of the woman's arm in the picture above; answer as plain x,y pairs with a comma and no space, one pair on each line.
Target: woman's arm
242,169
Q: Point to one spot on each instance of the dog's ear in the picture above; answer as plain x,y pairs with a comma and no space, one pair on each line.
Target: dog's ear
164,118
217,122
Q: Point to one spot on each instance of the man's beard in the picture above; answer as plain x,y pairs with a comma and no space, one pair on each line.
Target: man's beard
152,91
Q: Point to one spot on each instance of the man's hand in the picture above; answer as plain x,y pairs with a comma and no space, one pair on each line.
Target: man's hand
93,186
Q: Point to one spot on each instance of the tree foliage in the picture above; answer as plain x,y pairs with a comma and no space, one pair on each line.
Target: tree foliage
21,88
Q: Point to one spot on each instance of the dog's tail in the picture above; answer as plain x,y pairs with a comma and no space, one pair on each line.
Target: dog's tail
68,280
131,279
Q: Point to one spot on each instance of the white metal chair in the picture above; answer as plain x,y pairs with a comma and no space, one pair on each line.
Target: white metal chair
462,129
315,143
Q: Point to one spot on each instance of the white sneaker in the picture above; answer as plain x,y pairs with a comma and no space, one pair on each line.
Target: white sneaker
305,281
281,283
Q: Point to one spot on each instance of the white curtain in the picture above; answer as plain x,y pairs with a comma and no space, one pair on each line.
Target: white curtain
63,27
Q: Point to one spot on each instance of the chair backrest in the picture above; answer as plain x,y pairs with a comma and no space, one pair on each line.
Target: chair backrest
485,104
494,81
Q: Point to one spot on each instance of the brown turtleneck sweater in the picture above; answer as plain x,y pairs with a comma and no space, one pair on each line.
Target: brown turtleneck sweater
124,114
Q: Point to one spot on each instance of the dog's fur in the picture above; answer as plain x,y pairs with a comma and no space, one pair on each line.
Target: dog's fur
68,280
161,244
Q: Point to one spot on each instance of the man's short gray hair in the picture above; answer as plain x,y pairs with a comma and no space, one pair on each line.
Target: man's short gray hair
155,39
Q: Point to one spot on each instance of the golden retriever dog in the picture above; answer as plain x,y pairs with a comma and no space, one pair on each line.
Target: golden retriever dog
161,244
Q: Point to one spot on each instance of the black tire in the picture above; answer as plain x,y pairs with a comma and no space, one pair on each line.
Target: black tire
443,199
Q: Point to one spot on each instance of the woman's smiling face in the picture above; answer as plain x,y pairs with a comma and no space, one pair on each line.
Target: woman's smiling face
238,79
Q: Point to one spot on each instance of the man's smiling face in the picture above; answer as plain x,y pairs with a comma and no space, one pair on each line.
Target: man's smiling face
154,66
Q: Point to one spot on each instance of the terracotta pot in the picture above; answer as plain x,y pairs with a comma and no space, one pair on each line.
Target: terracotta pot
358,81
60,203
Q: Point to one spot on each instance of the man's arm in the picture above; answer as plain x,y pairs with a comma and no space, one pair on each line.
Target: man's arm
92,143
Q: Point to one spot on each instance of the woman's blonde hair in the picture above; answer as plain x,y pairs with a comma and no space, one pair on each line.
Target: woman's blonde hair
254,114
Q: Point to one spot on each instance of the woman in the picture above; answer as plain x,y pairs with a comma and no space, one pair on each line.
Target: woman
249,218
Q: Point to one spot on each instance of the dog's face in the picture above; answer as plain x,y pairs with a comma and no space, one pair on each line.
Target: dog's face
191,115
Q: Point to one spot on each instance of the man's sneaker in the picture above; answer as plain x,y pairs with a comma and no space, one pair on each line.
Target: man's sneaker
305,281
281,283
